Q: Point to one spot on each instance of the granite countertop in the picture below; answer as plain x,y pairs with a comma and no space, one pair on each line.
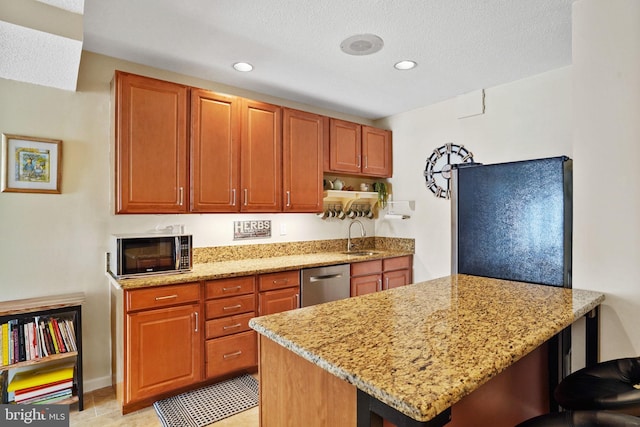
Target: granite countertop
249,266
423,347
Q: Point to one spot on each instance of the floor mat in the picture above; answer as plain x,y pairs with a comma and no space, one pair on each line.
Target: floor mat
209,404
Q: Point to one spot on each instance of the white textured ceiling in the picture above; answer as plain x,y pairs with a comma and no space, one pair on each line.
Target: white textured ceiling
41,41
459,45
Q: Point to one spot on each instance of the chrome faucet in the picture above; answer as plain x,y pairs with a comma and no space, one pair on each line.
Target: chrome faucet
363,233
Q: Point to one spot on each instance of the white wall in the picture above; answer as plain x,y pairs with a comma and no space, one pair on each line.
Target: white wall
606,135
53,244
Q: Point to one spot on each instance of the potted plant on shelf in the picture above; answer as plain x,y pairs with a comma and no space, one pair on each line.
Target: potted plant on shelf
381,188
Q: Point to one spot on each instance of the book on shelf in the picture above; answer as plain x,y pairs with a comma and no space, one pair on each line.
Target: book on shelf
31,338
5,344
42,390
52,397
43,376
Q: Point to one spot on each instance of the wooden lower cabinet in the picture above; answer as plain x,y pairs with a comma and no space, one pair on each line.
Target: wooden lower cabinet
397,272
377,275
279,292
368,284
163,351
169,339
230,344
231,353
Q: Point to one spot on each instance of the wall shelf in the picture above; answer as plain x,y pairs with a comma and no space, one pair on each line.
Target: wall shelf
347,198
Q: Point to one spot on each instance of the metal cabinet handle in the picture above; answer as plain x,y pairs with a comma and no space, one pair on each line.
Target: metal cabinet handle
233,307
181,196
324,277
166,297
288,198
237,353
276,281
366,162
379,284
235,288
237,325
233,197
359,160
297,301
197,321
246,197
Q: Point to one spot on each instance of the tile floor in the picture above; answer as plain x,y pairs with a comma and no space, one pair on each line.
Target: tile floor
101,409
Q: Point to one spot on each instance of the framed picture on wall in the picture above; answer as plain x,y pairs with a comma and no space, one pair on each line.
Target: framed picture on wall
31,165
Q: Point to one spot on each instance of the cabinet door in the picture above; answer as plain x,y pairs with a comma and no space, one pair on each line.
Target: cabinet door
272,302
215,152
363,285
395,279
164,350
345,148
261,157
376,152
151,145
303,138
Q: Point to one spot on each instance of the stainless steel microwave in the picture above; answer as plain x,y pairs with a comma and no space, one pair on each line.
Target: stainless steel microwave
133,255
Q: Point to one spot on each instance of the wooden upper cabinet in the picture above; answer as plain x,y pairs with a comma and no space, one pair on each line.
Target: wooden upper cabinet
359,150
376,152
304,136
345,146
261,157
151,145
215,152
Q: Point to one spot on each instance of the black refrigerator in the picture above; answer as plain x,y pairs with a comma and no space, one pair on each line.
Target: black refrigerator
514,220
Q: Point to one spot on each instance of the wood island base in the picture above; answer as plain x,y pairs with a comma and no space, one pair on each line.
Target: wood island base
294,391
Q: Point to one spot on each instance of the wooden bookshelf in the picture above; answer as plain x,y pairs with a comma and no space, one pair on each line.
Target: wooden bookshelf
68,305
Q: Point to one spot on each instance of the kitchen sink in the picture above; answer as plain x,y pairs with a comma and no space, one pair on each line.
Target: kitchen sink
360,253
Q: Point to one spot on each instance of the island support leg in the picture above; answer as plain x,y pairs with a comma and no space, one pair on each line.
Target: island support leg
592,337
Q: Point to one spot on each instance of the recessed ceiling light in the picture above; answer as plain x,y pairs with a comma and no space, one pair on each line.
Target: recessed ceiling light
243,66
405,65
362,44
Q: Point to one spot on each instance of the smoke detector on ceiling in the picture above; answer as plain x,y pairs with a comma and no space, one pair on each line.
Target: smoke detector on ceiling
362,44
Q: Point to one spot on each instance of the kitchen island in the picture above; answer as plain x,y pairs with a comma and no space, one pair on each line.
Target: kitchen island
409,354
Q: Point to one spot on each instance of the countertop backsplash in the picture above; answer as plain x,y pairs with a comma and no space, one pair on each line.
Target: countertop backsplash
232,253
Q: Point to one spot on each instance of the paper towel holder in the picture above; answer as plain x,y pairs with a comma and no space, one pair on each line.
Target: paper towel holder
401,206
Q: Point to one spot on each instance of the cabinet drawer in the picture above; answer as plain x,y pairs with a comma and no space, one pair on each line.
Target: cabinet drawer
162,296
366,267
228,325
284,279
230,306
229,287
398,263
232,353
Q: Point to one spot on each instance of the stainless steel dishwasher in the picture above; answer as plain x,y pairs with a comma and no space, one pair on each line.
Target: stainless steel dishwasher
324,284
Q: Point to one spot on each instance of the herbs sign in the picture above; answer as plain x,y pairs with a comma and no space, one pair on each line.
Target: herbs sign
251,229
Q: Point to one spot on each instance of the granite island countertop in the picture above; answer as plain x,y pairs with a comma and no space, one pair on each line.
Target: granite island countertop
249,266
423,347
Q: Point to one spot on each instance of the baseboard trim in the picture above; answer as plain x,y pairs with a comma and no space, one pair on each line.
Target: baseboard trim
96,383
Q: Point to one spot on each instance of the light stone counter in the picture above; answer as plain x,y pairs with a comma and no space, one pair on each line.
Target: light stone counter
249,266
423,347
